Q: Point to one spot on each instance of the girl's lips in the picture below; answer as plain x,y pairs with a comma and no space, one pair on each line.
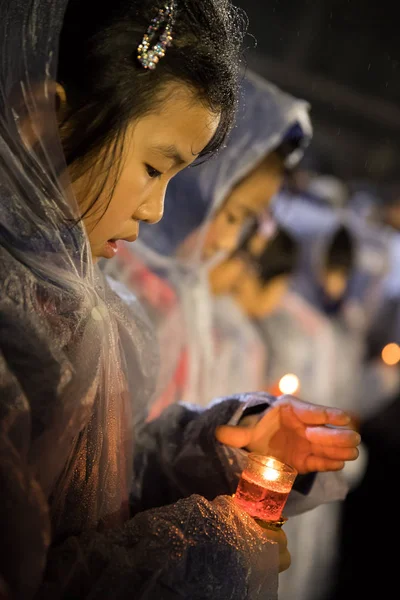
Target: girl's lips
111,246
110,249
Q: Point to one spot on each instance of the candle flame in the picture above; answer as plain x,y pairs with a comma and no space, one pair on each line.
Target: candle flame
391,354
289,384
270,474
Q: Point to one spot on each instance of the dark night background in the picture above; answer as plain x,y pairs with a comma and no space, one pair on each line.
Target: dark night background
344,57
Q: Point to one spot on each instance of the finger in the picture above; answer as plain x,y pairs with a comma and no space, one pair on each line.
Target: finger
338,417
330,436
235,436
278,536
269,424
335,452
320,464
314,414
285,560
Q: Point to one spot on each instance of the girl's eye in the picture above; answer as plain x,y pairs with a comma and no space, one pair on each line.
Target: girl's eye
152,173
231,219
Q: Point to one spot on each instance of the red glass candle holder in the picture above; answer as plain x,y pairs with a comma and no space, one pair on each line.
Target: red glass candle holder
264,487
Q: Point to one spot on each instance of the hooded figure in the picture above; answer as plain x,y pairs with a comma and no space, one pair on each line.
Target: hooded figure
78,364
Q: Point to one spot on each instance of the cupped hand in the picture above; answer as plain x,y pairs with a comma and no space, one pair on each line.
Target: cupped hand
309,437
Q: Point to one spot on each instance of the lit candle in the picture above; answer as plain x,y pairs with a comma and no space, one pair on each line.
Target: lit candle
264,487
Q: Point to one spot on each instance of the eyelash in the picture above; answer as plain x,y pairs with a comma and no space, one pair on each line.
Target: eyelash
152,173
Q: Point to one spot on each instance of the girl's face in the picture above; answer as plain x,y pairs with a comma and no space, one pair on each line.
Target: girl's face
226,275
247,200
237,278
334,283
260,300
157,147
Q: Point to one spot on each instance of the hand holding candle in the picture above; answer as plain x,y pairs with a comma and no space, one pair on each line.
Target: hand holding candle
307,436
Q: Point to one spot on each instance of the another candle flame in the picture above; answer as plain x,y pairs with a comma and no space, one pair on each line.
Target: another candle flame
391,354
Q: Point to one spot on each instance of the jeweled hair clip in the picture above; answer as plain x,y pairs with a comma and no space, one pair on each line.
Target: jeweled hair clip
148,54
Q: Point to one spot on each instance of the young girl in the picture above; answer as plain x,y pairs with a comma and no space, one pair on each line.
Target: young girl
100,105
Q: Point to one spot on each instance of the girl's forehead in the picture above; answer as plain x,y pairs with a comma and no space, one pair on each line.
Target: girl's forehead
180,129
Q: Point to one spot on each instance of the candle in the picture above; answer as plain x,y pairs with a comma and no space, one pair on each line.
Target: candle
264,487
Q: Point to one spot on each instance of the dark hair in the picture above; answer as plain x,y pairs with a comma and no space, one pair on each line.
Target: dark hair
340,255
107,87
278,258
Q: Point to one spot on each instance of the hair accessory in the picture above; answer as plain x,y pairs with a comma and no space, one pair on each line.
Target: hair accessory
149,55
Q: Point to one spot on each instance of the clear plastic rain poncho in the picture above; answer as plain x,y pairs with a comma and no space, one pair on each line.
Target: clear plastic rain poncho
241,354
77,370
